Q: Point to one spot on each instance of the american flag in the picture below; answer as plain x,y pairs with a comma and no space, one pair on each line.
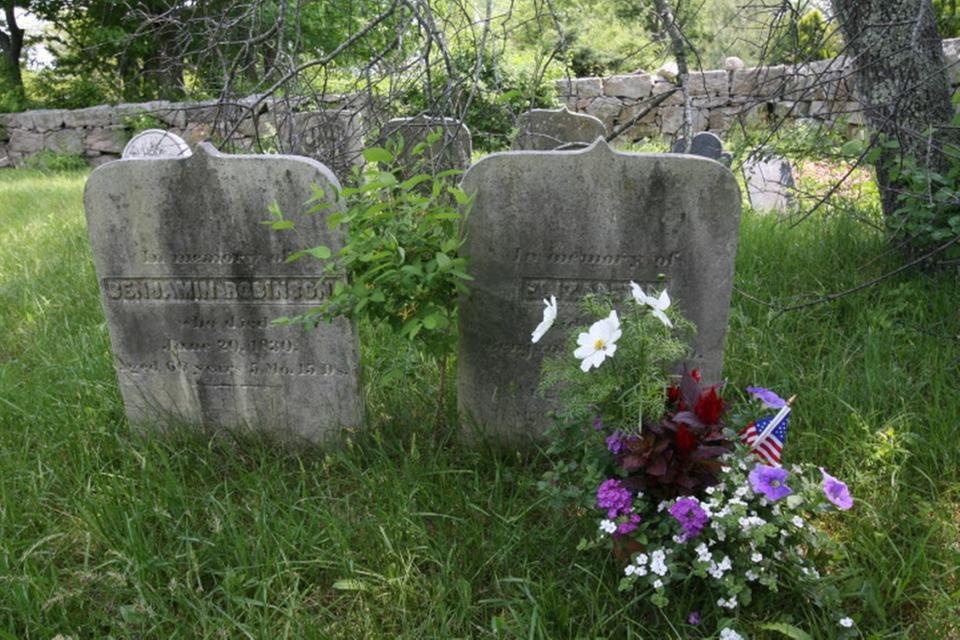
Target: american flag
766,436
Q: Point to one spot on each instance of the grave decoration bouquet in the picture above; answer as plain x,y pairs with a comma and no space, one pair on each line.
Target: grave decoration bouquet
695,507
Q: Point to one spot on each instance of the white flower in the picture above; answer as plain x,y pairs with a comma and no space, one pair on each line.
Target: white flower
629,570
846,622
658,563
756,557
641,559
751,575
703,554
658,584
658,305
797,522
549,315
599,343
608,526
730,634
727,604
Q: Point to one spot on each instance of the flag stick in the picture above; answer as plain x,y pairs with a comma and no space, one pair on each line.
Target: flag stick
777,419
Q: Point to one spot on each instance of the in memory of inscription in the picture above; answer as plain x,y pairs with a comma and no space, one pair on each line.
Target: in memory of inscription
591,221
191,283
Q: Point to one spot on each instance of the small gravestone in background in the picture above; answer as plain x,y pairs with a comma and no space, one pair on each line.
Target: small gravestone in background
572,223
770,184
705,144
453,149
191,281
544,129
333,137
156,143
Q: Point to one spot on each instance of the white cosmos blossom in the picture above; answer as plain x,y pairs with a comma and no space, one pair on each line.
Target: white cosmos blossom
549,315
599,343
657,305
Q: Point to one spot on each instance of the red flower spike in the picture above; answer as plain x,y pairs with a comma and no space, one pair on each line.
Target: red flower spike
709,407
695,374
686,441
673,394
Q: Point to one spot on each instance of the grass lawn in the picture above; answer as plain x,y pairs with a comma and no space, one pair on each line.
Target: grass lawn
103,534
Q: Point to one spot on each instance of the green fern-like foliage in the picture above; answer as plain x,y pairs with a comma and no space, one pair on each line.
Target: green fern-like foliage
629,387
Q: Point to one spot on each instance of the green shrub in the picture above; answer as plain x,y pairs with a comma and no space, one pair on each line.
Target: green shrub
142,122
401,257
52,162
491,105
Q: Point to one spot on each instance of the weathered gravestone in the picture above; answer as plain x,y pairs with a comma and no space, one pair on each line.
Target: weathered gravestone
572,223
770,184
156,143
333,136
191,282
544,129
705,144
452,150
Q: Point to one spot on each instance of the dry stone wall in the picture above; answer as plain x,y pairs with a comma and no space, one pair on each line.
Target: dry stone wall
722,99
100,133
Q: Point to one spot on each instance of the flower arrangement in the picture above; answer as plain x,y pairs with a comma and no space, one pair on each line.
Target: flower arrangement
689,498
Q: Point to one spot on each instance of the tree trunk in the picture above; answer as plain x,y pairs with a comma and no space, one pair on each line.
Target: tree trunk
11,48
898,65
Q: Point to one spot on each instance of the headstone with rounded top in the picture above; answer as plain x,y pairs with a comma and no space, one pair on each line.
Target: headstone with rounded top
705,144
560,129
156,143
191,282
770,184
452,149
567,224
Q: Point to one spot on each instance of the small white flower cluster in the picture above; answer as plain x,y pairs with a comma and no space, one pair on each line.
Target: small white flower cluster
639,566
608,527
658,562
750,522
730,603
717,570
730,634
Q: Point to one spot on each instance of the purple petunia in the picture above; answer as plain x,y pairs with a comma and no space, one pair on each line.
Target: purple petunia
690,515
614,497
836,491
615,442
767,397
770,481
693,618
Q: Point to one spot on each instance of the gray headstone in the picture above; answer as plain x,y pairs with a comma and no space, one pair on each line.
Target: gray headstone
705,144
190,282
334,137
572,223
544,129
453,150
156,143
770,184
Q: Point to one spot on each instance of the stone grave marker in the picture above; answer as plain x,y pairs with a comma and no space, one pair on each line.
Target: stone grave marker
191,281
332,136
770,184
705,144
544,129
454,149
156,143
571,223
